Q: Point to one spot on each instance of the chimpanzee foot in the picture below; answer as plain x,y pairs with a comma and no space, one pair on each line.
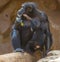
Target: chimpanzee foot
19,50
45,53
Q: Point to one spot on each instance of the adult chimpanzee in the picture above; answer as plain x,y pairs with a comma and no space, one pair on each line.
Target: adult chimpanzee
31,30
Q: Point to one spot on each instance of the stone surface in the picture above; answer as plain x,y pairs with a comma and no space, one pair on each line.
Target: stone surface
53,56
16,57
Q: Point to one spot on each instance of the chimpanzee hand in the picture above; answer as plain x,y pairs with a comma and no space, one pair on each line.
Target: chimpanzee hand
27,17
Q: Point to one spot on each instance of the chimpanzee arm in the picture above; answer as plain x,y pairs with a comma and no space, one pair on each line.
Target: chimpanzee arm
48,36
18,18
44,34
15,34
45,26
20,12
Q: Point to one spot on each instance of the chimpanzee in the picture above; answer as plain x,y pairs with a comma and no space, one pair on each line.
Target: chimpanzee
31,30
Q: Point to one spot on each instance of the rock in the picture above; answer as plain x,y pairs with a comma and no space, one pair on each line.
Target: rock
48,4
50,59
16,57
53,56
1,38
54,53
3,2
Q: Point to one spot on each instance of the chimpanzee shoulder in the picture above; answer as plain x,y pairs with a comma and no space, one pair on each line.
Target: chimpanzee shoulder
43,15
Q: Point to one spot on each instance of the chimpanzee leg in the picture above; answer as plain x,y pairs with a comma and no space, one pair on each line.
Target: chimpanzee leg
40,39
16,42
30,45
29,48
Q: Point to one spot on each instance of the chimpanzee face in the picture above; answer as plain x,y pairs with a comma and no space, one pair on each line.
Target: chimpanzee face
28,10
29,7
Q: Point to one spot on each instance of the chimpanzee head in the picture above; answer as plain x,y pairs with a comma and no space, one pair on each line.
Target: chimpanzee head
29,7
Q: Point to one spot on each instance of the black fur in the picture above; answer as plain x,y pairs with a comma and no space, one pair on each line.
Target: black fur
34,32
